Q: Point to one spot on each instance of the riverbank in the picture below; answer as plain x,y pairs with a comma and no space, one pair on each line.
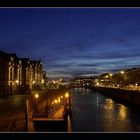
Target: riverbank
129,97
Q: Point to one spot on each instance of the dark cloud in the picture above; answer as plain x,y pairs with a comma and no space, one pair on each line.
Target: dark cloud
87,65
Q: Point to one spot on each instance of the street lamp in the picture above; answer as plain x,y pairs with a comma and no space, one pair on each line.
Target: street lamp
123,77
17,81
67,95
56,101
110,78
36,96
59,100
137,86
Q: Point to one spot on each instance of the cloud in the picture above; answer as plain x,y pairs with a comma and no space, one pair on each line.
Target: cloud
94,41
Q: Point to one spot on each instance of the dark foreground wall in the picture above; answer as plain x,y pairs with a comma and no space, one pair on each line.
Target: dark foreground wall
123,96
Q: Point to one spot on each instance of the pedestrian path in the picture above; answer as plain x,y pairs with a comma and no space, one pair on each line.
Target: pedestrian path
12,115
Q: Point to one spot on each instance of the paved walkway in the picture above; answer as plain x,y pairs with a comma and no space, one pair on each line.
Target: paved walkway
12,116
58,114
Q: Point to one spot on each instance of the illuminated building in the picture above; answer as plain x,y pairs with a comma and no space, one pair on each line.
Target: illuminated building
19,75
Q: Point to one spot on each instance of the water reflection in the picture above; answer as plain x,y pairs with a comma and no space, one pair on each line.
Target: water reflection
91,111
69,129
123,112
108,103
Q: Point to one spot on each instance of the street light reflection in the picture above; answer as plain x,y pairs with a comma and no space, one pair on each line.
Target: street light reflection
122,112
109,104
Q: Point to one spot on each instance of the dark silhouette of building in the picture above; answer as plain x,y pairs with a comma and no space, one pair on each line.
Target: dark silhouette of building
3,74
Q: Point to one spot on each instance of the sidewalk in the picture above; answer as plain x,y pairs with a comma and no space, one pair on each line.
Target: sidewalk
12,116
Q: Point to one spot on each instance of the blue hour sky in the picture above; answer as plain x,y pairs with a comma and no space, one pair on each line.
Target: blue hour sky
73,41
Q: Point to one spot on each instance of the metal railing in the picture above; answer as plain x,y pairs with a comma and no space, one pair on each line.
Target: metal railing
49,113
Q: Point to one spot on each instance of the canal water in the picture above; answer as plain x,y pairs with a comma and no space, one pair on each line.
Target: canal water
93,112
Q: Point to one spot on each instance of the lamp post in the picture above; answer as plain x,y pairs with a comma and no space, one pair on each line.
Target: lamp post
110,76
123,76
36,96
17,84
137,86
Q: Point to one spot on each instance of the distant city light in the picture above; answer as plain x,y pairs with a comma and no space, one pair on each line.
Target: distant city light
106,76
122,72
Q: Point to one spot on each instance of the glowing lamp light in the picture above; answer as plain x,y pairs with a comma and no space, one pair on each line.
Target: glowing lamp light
42,81
59,100
17,81
106,76
56,101
33,82
61,96
97,84
122,72
36,96
67,95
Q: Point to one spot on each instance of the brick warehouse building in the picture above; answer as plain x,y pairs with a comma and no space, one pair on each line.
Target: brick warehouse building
19,75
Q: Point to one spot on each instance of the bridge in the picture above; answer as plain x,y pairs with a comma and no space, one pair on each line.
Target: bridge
48,111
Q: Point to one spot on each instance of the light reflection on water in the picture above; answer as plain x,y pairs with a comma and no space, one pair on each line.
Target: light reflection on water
94,112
